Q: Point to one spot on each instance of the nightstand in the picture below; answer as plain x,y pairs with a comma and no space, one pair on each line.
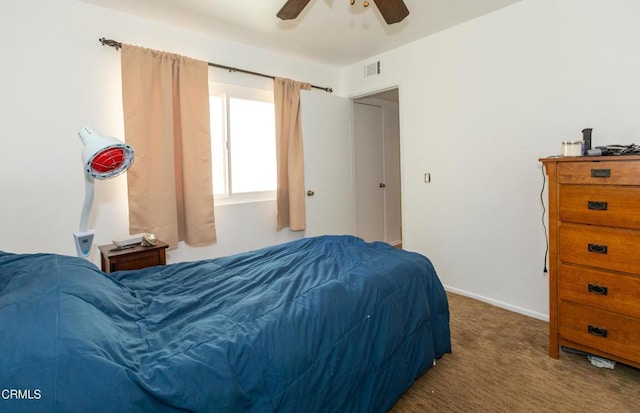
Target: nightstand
132,258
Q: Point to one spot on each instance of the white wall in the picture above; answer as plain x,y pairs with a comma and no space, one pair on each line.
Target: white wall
480,103
57,78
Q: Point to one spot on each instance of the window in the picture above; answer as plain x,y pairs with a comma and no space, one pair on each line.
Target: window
243,144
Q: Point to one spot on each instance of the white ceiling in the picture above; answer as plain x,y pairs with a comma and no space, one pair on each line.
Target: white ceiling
327,31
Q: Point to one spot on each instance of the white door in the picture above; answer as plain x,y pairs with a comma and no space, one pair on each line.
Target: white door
370,182
328,166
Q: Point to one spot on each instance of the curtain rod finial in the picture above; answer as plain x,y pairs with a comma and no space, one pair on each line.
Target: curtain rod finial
109,42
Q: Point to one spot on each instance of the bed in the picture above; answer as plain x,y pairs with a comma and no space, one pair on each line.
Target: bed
324,324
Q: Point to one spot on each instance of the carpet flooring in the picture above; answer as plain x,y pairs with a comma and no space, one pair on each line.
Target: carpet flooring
500,363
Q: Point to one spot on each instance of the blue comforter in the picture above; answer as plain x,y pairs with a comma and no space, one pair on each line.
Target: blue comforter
327,324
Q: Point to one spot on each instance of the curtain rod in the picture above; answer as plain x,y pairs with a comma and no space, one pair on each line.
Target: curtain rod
117,45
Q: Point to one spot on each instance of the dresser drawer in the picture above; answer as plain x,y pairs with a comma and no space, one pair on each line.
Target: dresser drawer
616,206
609,291
602,172
601,330
602,247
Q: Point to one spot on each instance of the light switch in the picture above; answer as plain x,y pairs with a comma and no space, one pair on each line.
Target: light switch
427,178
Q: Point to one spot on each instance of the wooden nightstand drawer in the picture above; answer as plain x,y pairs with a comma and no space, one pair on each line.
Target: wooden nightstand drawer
602,172
600,289
602,247
602,330
615,206
132,258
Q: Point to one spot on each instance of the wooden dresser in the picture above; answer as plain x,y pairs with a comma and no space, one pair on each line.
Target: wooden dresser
594,256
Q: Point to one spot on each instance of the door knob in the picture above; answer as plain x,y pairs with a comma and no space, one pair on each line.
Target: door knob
310,193
381,185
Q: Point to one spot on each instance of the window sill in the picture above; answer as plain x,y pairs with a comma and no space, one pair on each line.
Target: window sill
244,199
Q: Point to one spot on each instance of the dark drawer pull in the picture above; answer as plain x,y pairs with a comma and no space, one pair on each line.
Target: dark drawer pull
598,289
601,173
598,205
598,249
597,331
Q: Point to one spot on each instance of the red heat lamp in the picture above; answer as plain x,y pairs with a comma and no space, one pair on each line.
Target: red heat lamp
103,157
108,160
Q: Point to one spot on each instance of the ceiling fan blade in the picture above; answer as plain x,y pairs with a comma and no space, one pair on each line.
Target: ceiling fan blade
393,11
291,9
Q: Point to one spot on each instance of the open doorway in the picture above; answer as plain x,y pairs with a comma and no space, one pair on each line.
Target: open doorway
376,126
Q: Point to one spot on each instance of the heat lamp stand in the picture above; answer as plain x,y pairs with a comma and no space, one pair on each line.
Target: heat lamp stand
84,237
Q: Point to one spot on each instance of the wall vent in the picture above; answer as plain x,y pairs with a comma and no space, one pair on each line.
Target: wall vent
372,69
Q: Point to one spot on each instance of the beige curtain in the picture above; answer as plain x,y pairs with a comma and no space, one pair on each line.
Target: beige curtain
166,119
290,154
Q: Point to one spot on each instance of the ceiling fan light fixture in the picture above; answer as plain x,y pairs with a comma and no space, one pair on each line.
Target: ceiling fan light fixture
365,3
393,11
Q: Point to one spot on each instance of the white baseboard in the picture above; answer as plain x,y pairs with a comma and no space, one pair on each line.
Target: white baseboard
395,243
515,309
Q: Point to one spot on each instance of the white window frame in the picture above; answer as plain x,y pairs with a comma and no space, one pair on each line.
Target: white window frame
226,91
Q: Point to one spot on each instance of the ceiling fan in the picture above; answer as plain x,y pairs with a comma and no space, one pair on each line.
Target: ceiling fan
393,11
